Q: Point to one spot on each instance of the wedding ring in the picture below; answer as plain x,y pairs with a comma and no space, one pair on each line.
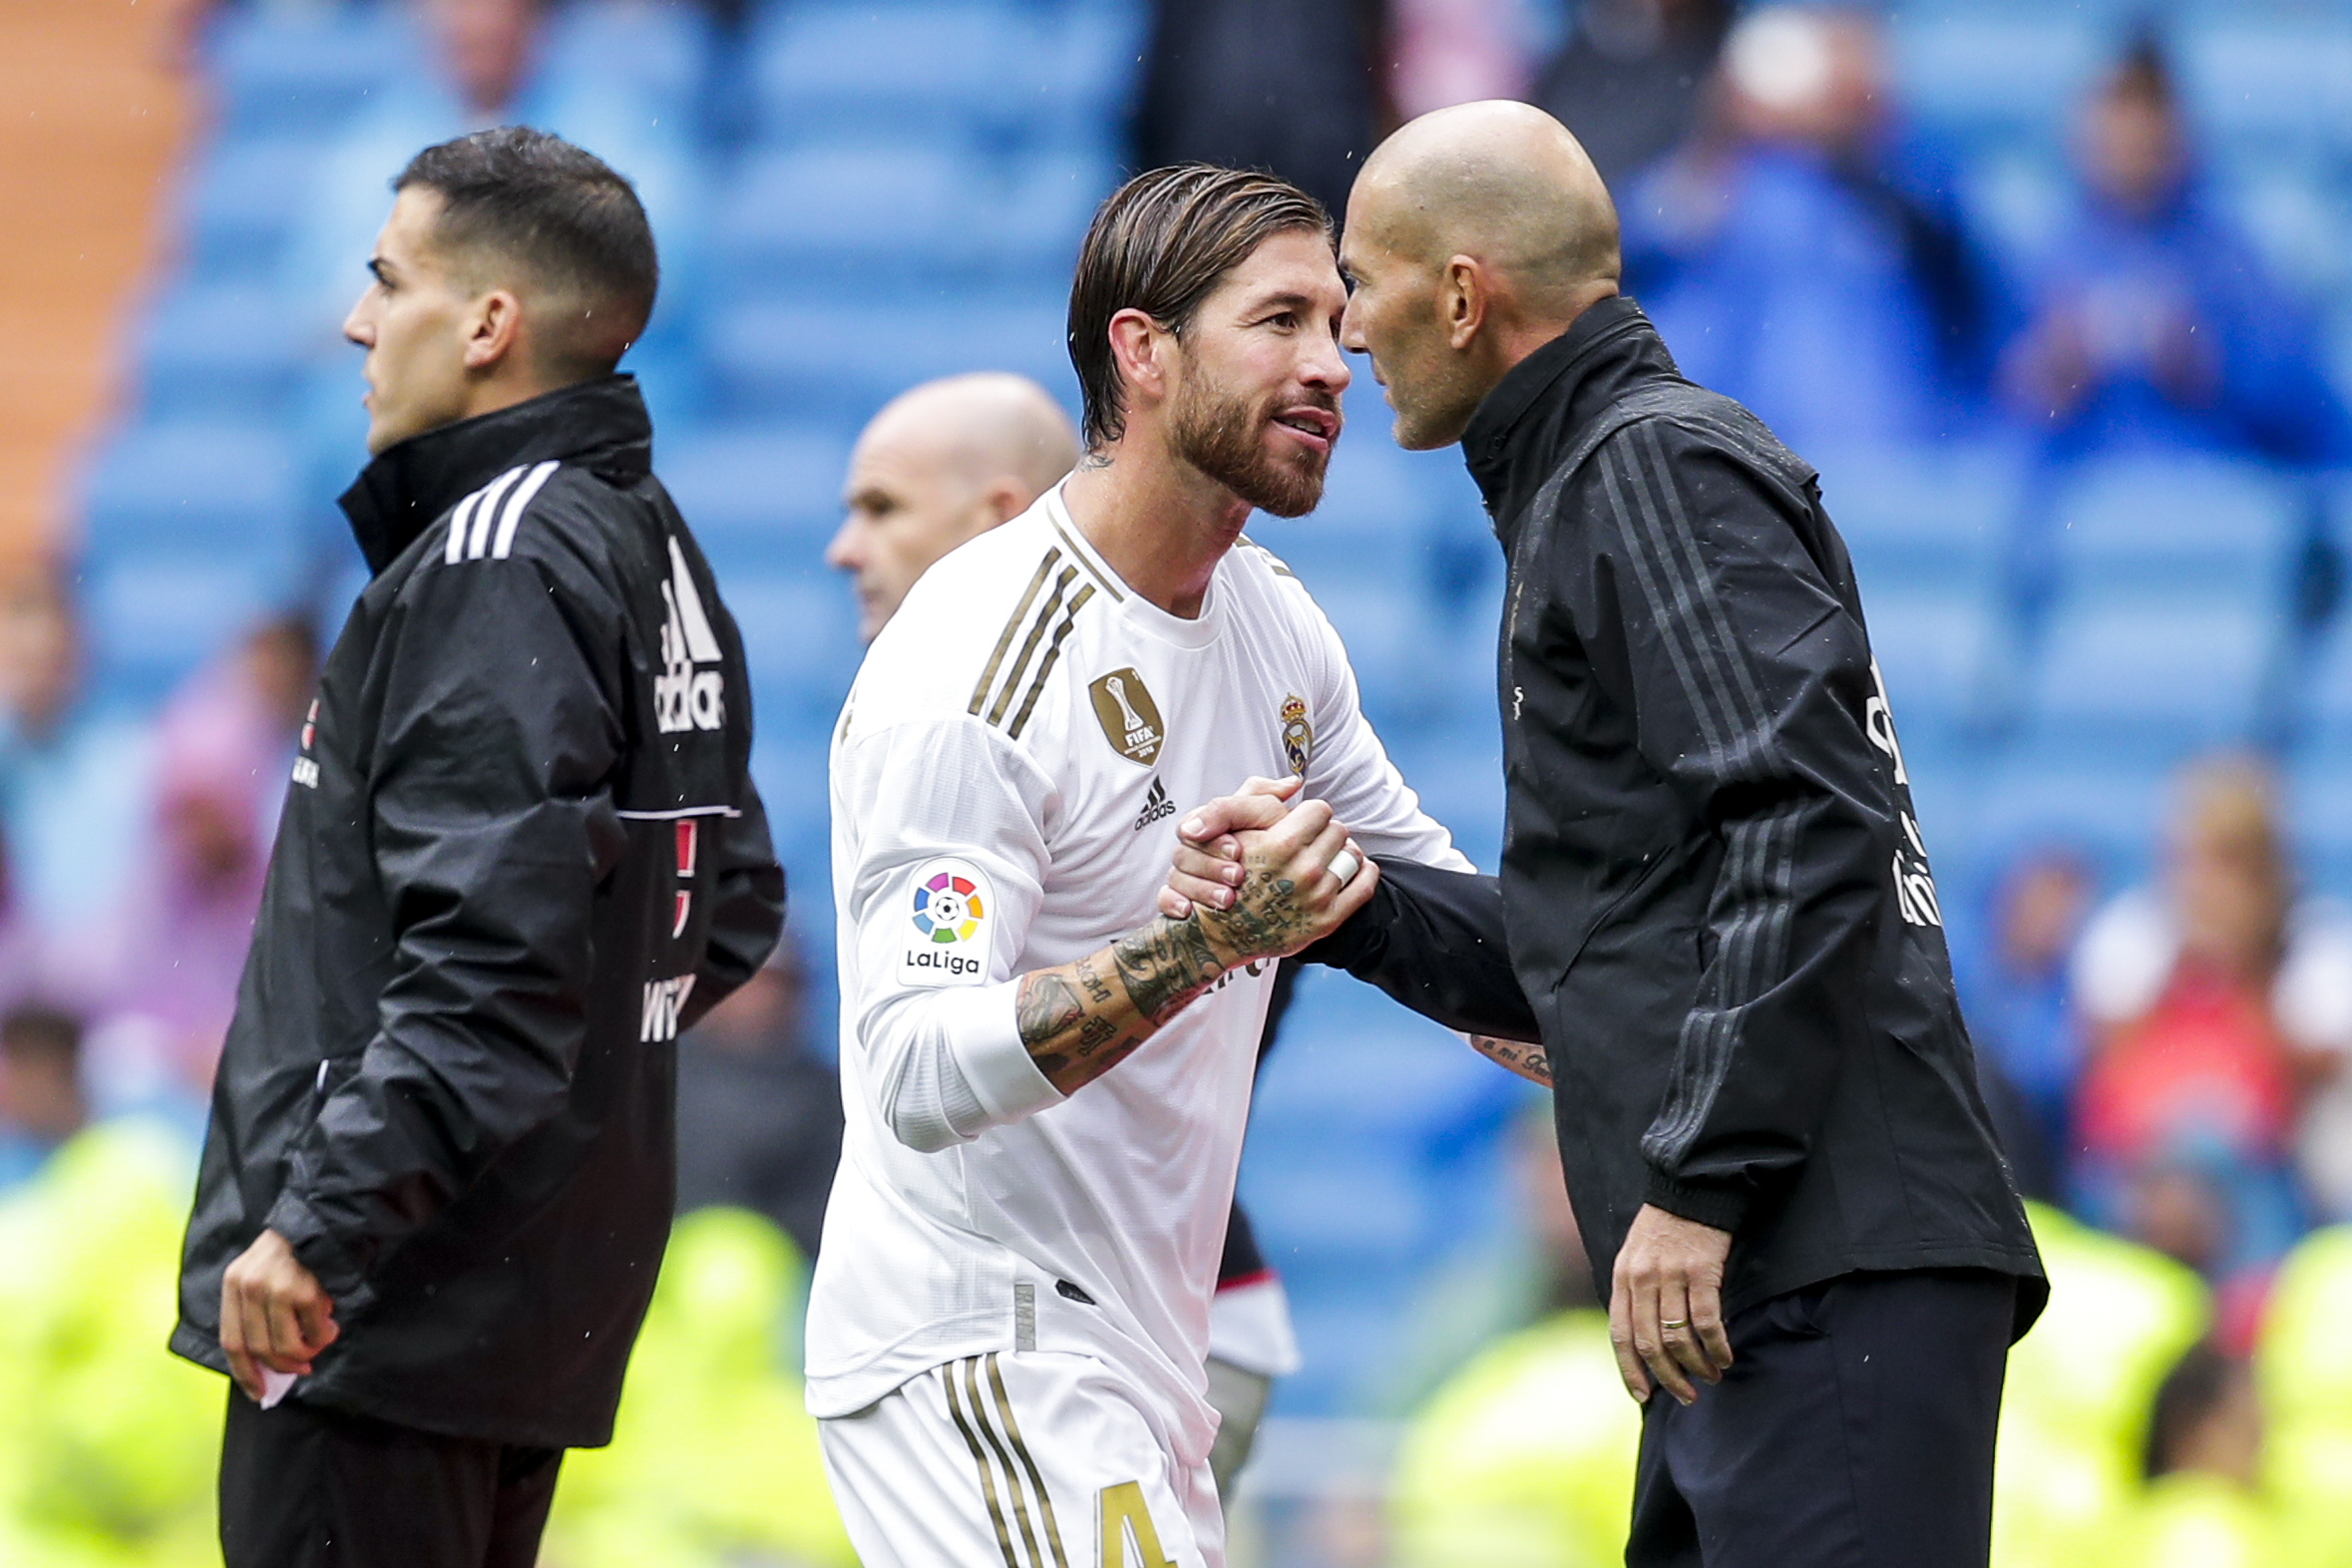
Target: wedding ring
1343,866
1674,1323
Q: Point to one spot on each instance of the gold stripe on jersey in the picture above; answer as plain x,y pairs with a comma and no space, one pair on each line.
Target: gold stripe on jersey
979,693
1079,556
1029,648
1272,559
1029,1465
987,1473
1070,619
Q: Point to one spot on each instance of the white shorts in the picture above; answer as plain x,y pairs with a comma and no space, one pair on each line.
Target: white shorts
1028,1458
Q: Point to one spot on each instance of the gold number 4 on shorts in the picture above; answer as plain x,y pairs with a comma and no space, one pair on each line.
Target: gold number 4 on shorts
1125,1522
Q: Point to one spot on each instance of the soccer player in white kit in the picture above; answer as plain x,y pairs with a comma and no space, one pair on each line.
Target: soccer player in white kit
1046,1081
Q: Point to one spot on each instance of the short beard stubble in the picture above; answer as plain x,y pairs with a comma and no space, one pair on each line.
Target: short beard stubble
1223,436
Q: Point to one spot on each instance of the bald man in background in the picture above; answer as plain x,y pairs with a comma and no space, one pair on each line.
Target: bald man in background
941,463
1715,891
945,462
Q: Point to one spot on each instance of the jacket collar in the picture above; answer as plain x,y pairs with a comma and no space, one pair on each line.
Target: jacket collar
1536,411
600,425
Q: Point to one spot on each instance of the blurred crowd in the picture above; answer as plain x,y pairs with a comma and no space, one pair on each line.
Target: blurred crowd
2167,1057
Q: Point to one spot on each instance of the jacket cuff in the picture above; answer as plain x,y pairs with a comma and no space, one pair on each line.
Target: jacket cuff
314,1247
1711,1202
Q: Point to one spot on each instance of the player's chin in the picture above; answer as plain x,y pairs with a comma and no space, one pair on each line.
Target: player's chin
1288,489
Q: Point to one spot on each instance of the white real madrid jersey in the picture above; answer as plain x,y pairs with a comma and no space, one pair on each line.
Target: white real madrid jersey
1006,779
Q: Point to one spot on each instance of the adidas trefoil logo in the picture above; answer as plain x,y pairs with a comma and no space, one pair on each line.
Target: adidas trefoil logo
1156,806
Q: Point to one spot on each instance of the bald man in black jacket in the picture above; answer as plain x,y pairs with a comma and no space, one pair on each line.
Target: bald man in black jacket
1714,895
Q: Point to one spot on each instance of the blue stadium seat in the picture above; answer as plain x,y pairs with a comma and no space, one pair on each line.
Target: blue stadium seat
1389,631
191,485
1987,71
240,204
303,71
2320,822
2277,83
661,48
789,764
1048,199
1455,765
818,211
916,69
206,348
2327,710
2150,679
811,361
1933,648
760,495
800,639
2208,526
1915,517
2109,808
156,614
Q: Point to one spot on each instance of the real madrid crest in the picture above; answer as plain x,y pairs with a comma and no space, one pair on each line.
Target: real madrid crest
1130,719
1297,736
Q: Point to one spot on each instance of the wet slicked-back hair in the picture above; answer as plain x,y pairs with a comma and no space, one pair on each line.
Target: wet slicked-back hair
1161,243
573,226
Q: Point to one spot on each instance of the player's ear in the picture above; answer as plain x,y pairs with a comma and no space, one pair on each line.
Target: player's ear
1137,342
1463,297
1000,503
493,329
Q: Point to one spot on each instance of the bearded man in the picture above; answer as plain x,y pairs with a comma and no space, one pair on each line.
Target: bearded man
1046,1083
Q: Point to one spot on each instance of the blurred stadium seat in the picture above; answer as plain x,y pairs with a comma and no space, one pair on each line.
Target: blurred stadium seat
238,212
811,360
2211,528
208,347
2148,681
1921,515
300,70
762,495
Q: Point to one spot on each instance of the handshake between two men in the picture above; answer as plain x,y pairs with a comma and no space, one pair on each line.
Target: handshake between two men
1436,944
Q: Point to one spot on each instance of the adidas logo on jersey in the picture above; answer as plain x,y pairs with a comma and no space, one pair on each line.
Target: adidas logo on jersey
1156,806
686,696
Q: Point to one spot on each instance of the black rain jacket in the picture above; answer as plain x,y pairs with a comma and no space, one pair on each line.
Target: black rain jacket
521,851
1716,895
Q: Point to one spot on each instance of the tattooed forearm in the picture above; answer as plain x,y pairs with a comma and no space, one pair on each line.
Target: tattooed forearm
1166,964
1080,1019
1528,1062
1046,1007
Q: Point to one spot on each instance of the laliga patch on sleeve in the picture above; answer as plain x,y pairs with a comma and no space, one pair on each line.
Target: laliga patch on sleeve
950,915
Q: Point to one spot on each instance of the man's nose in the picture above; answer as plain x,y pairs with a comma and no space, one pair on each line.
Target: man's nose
357,329
1328,367
1351,329
842,553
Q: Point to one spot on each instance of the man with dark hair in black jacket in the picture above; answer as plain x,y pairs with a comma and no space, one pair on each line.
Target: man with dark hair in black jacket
521,852
1715,896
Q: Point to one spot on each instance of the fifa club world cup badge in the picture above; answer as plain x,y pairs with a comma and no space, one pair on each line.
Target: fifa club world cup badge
1130,719
1297,736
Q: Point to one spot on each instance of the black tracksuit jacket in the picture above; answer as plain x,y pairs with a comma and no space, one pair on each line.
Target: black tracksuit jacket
1713,893
521,851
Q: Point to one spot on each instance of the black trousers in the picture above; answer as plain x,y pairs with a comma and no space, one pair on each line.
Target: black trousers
1854,1429
305,1487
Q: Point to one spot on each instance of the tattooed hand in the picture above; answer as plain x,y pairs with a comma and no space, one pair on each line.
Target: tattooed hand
1287,896
1080,1020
